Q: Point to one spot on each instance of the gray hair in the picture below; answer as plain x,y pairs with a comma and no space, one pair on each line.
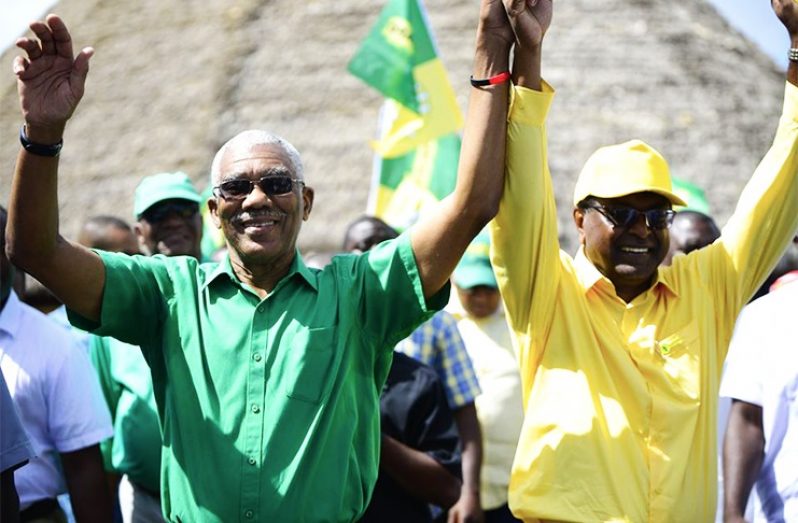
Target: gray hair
251,138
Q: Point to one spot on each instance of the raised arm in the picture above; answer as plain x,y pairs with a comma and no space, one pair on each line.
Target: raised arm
525,248
439,242
50,82
766,215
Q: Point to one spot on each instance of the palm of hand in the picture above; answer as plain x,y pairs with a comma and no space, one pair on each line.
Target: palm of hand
46,91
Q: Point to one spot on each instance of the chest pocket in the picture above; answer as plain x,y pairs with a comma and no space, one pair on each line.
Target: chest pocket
310,362
679,354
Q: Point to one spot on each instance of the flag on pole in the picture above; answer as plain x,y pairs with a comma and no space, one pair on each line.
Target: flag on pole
418,145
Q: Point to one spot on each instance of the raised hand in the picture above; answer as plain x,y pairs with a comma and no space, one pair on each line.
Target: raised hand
50,80
529,19
493,21
787,11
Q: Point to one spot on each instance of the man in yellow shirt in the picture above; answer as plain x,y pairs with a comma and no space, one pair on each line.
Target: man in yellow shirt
620,361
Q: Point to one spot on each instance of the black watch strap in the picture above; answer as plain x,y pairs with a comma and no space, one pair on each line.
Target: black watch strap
37,148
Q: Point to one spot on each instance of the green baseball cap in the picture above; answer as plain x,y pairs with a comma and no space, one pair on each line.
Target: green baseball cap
163,186
474,269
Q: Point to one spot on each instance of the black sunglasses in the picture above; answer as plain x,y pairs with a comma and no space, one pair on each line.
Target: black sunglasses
626,216
271,185
159,212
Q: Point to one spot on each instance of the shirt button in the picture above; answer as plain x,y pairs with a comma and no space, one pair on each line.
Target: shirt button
257,356
249,514
255,408
260,308
252,461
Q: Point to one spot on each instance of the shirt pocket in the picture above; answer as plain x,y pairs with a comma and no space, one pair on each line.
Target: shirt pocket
309,362
679,353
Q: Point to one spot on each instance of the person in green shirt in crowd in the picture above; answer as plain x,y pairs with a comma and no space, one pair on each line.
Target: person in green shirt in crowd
266,374
166,206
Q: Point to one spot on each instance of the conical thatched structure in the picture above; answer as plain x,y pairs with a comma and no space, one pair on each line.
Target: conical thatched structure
173,80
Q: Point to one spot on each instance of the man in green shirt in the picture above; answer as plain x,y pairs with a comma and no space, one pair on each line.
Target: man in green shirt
266,373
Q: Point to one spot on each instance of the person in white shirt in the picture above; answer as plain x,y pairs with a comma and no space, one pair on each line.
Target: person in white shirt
761,444
61,408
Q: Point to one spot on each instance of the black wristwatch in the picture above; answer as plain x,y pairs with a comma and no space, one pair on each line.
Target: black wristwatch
37,148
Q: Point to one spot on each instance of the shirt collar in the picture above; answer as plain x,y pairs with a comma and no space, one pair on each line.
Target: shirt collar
11,316
589,276
225,267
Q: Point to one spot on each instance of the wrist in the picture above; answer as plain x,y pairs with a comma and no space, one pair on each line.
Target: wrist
44,135
47,150
490,63
471,491
526,68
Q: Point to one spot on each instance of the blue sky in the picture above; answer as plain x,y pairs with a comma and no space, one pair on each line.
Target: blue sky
754,18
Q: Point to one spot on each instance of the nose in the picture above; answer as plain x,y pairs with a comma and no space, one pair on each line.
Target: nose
256,199
639,227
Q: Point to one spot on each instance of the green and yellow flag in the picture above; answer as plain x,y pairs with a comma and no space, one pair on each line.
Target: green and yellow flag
418,147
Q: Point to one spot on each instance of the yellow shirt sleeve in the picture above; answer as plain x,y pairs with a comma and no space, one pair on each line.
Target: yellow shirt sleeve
763,223
525,247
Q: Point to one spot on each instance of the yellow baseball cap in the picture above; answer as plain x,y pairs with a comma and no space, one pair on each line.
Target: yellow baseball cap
626,168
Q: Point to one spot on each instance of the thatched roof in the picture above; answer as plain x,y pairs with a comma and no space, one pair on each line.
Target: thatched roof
173,80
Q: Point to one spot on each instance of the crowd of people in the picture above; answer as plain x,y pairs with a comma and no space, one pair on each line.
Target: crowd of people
148,383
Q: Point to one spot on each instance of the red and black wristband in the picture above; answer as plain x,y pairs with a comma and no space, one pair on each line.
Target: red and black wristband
493,80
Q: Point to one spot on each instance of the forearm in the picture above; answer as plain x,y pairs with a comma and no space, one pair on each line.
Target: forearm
526,68
33,206
439,242
73,273
471,439
743,451
87,485
418,473
480,176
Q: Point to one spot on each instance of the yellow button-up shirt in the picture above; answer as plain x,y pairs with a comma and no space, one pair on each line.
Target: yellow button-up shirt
621,398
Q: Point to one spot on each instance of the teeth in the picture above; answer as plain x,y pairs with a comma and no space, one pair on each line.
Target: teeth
259,224
636,250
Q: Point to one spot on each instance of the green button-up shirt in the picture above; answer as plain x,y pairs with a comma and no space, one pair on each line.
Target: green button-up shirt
269,407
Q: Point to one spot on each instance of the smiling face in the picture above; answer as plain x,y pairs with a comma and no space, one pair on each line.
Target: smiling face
627,256
261,230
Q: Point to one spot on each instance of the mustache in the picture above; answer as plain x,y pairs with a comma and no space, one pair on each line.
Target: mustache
245,216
